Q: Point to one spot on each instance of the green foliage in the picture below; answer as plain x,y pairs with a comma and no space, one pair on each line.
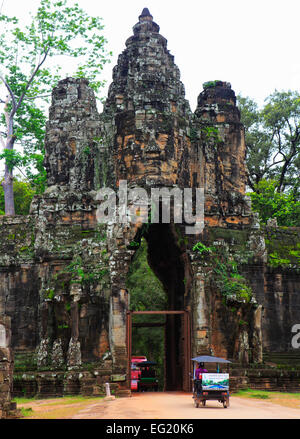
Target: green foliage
283,247
211,84
87,151
227,278
134,244
273,159
201,248
275,260
23,197
194,135
210,134
12,158
230,283
50,294
273,140
272,204
146,291
80,273
57,29
63,326
25,362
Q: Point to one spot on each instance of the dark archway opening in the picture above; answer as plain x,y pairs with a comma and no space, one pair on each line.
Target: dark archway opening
160,258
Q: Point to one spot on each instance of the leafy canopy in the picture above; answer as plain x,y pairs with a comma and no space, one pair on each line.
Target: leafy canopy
59,31
273,140
146,291
272,204
23,196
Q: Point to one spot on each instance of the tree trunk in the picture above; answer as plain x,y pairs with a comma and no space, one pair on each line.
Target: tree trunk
8,192
8,173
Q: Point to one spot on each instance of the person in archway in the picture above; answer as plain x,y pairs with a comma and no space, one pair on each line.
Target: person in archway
198,376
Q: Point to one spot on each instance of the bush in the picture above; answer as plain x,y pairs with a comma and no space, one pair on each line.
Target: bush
23,193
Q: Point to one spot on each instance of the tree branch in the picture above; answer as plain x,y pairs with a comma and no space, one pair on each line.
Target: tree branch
2,142
37,97
10,93
276,163
289,125
31,78
9,126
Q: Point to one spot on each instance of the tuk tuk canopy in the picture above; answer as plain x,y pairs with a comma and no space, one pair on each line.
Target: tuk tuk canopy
147,364
210,359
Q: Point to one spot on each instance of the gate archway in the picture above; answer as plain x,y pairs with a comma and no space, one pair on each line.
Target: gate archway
177,358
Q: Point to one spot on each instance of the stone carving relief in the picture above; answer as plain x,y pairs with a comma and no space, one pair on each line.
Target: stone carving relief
3,341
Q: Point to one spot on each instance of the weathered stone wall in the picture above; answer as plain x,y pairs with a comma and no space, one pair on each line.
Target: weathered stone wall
226,324
265,379
7,408
269,260
281,288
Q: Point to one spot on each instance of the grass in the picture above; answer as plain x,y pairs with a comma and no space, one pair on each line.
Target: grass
26,412
23,400
285,399
250,393
58,408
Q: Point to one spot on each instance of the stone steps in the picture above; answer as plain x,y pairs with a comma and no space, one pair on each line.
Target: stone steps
282,357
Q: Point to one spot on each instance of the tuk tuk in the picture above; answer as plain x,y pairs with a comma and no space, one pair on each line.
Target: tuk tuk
136,371
148,379
210,386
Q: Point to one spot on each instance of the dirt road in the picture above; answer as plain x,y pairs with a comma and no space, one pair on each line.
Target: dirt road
178,405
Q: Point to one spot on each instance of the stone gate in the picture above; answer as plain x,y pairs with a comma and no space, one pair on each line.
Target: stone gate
63,273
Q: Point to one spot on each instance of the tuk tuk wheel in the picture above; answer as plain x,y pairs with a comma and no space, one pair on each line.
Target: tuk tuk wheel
203,402
226,403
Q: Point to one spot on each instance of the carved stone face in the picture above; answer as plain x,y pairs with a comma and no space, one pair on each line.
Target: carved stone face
150,158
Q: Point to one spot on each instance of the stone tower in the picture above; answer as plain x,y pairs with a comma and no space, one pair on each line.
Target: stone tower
223,155
146,116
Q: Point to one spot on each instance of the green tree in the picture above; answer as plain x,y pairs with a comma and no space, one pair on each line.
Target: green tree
29,128
270,203
146,291
56,29
23,194
273,140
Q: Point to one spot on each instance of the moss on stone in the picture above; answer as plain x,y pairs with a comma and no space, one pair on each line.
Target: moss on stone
225,274
236,238
24,361
211,84
283,246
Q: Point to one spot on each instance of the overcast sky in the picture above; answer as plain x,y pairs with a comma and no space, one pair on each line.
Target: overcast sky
254,44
